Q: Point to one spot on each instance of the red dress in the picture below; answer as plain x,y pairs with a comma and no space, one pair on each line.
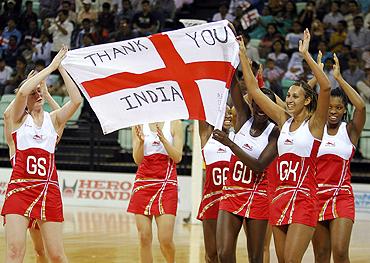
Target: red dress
245,191
334,190
217,158
33,190
155,188
294,200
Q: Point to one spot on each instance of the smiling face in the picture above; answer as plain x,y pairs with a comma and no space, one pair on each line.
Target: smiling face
296,100
258,114
337,110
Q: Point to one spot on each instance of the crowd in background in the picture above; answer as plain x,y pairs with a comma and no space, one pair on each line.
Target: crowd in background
30,40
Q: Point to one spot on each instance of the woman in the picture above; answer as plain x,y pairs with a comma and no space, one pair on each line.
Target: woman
29,195
33,227
157,147
244,196
336,199
216,157
294,205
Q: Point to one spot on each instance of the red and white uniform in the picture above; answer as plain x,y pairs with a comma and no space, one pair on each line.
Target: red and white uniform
245,191
334,176
33,190
217,158
155,188
295,196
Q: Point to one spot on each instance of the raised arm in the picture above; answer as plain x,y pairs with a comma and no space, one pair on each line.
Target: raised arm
357,123
174,150
242,109
29,86
264,160
318,119
138,144
63,114
275,112
312,82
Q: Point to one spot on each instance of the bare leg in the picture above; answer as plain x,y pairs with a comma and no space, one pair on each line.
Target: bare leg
340,232
266,245
38,245
228,227
52,234
279,240
144,228
256,231
209,234
297,240
321,243
166,225
15,236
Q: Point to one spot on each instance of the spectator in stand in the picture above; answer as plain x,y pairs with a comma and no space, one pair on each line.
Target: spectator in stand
292,39
267,40
223,13
331,20
10,10
42,51
11,30
288,16
125,13
278,54
72,16
5,74
27,51
32,33
367,20
274,74
144,22
317,35
338,37
363,85
87,12
353,11
48,8
61,29
124,32
308,14
343,57
87,40
238,19
26,17
106,18
252,52
359,38
99,35
325,53
276,7
86,28
11,52
328,69
295,67
354,74
19,74
234,4
165,10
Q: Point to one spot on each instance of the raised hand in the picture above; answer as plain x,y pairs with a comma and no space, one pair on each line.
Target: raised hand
305,43
139,133
319,62
31,74
44,88
242,49
336,67
222,137
58,58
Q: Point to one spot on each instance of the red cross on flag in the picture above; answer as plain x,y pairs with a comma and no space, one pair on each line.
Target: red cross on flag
182,74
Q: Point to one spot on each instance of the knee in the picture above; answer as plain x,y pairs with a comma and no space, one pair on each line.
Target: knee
255,258
165,242
16,250
340,254
290,259
225,255
322,254
57,256
145,239
211,256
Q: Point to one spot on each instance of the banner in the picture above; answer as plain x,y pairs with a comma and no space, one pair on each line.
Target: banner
100,189
182,74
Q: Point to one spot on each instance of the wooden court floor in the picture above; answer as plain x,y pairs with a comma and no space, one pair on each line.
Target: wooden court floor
109,235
